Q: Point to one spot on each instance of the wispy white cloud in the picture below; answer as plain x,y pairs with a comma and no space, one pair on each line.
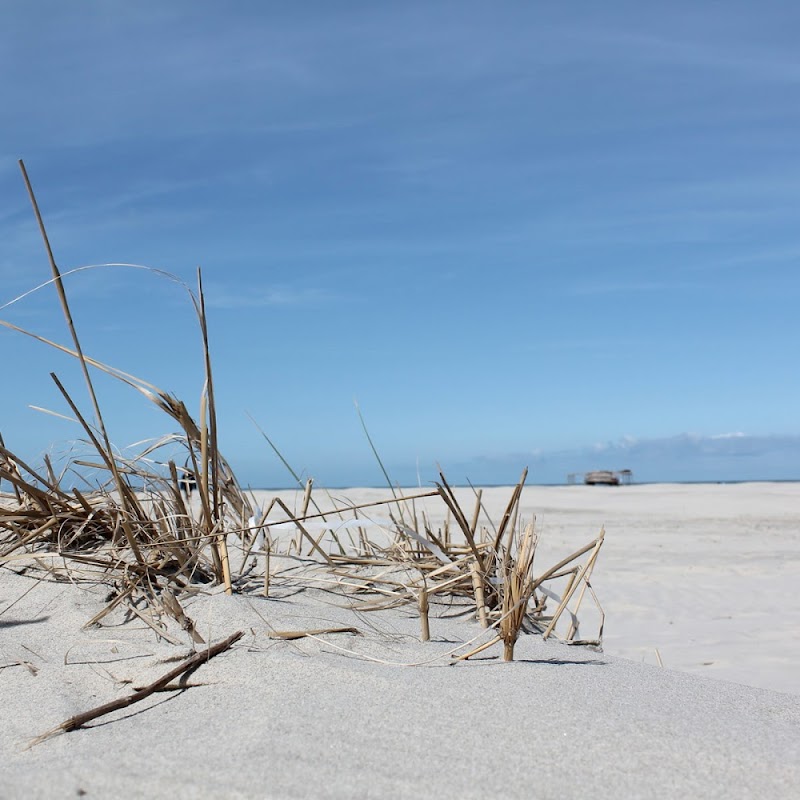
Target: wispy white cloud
733,56
594,344
242,297
728,443
683,457
632,287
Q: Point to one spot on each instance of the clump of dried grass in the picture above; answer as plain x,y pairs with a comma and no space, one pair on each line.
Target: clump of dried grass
517,588
136,532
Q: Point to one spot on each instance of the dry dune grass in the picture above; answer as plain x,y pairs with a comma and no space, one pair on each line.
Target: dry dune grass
137,533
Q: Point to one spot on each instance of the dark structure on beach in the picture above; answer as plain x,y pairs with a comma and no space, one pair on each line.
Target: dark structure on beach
604,477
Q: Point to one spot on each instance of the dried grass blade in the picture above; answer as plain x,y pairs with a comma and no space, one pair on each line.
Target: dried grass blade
121,486
187,666
449,498
568,595
126,496
512,504
292,635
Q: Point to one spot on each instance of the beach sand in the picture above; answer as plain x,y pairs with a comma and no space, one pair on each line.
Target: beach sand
705,574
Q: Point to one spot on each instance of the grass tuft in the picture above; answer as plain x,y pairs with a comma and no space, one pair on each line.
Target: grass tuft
137,531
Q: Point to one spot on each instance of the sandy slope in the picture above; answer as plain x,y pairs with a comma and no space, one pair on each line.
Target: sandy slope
337,717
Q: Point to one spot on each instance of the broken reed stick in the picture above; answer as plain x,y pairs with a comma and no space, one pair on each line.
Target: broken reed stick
477,587
483,507
210,510
479,649
222,549
298,542
161,632
573,627
173,607
50,471
189,665
477,512
123,595
307,495
11,466
303,531
512,504
449,498
508,649
568,596
256,529
553,571
425,630
268,550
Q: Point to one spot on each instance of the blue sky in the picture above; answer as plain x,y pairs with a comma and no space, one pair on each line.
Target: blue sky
562,235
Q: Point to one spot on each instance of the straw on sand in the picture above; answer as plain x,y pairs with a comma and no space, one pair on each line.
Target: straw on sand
136,531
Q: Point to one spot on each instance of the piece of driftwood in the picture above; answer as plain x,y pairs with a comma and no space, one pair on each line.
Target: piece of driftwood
189,665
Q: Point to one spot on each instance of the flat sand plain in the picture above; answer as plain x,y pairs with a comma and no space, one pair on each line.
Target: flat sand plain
707,575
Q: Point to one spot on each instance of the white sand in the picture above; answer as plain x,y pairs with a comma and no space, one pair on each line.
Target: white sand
703,573
708,574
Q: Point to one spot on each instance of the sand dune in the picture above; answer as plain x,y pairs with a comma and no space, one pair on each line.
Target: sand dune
703,573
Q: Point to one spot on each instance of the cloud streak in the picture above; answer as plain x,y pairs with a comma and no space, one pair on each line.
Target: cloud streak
225,297
727,456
